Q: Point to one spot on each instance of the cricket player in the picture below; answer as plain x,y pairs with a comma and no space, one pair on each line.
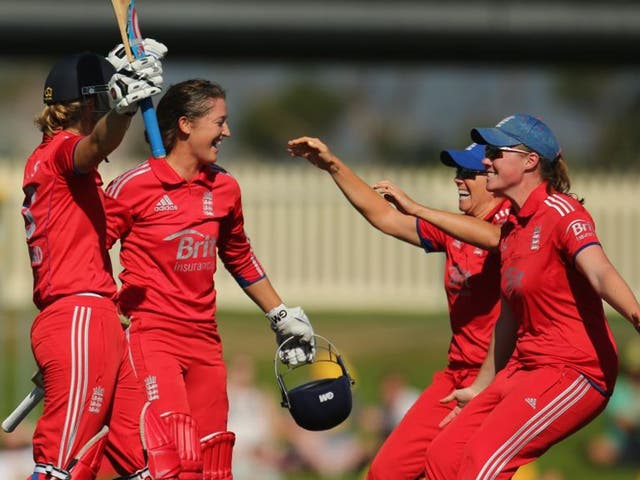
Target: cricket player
77,340
174,216
471,281
554,276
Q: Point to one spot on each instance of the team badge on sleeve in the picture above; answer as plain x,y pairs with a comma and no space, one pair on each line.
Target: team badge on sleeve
582,229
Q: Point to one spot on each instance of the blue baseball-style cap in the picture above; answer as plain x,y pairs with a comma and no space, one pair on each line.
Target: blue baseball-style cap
469,158
520,129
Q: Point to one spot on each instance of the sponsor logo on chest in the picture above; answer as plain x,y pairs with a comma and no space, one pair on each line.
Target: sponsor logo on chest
195,251
512,280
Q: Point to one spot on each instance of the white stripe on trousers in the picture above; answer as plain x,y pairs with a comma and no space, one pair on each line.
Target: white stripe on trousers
79,343
541,420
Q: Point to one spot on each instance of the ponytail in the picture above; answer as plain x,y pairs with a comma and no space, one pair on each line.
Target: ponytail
556,174
58,116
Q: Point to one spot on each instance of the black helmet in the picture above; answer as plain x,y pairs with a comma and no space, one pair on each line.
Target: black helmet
319,404
77,76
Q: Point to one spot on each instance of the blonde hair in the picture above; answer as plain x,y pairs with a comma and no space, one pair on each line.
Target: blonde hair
59,116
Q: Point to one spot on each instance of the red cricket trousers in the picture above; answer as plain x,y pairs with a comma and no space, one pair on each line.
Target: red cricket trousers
81,350
402,455
182,367
513,422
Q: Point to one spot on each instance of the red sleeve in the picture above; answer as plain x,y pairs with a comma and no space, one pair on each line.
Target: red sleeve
575,232
432,239
62,160
235,250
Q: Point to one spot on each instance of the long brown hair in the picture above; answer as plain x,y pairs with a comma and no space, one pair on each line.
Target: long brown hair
185,99
58,116
556,174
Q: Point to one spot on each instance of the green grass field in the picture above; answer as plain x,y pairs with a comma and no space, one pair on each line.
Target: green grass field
372,343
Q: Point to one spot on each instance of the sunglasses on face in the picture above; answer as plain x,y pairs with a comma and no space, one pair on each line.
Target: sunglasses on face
492,152
468,174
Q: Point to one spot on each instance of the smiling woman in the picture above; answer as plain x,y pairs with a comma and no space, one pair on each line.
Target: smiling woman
174,216
552,363
470,278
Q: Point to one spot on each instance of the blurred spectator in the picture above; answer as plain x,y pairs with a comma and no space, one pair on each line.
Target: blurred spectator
253,416
16,455
397,396
619,442
329,454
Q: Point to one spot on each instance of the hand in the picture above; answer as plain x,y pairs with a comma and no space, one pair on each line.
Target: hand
141,79
292,322
118,56
397,197
312,149
461,396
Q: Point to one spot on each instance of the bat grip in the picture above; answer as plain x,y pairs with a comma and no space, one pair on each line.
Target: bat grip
151,125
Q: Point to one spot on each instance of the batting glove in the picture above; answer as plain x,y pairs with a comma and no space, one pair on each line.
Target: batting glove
292,322
118,56
141,79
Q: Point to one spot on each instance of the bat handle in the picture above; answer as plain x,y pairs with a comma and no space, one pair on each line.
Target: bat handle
151,125
22,410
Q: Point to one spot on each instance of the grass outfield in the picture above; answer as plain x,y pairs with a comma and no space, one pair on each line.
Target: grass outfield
373,345
377,343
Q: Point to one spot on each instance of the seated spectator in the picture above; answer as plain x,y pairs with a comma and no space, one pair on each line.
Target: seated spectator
619,443
253,416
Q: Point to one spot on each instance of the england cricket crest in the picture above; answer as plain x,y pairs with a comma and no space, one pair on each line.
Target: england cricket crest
207,204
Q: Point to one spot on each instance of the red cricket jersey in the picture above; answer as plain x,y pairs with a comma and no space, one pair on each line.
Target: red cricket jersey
562,318
171,231
472,284
65,224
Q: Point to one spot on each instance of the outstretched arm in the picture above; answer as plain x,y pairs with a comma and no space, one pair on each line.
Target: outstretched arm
467,228
371,206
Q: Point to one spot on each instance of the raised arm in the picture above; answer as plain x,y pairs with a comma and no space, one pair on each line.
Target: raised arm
375,209
131,83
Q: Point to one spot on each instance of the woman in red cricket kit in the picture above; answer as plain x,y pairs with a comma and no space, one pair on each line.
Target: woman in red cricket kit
471,282
77,339
554,276
175,216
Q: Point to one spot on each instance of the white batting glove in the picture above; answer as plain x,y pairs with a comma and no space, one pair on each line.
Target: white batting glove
141,79
118,56
292,322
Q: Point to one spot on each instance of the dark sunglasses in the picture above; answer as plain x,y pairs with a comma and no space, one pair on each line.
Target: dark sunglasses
492,152
468,174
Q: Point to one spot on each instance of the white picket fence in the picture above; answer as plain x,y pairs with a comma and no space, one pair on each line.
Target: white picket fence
317,249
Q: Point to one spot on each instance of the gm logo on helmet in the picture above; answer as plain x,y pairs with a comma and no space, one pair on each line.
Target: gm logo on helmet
325,397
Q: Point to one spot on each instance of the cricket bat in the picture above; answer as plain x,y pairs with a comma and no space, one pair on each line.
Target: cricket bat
25,406
127,19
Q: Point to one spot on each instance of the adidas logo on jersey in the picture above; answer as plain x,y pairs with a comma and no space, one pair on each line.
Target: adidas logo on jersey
531,401
165,204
